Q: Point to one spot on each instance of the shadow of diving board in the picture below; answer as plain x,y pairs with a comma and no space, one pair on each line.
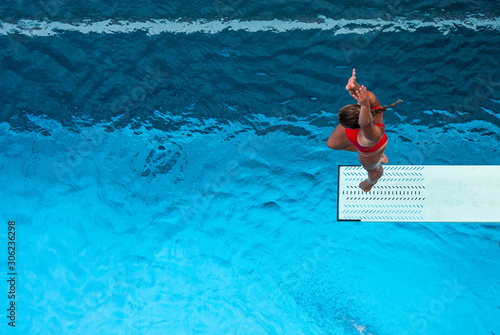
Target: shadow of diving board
426,193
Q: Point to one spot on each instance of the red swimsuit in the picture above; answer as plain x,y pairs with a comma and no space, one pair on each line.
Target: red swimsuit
352,135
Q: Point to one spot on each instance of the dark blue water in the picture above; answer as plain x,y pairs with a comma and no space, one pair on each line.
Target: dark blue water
101,76
165,182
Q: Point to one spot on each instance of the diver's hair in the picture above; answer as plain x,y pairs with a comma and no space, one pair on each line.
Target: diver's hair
349,115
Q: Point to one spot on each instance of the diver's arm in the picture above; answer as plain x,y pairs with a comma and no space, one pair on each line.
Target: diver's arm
365,116
352,87
369,130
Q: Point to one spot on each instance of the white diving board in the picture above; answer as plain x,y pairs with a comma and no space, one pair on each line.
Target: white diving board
426,193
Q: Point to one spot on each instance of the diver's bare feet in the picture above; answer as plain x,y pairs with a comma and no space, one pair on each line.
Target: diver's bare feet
384,159
366,185
351,84
373,177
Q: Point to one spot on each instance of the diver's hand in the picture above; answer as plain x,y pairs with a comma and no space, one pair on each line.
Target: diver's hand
362,96
351,84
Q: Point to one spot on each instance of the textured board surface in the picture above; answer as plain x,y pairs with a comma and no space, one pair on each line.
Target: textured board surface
428,193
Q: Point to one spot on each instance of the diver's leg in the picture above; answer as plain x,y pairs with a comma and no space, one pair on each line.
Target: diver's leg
373,165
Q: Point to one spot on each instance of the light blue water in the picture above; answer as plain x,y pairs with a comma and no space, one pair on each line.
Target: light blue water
181,184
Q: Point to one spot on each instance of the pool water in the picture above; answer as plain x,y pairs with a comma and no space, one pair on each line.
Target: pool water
171,176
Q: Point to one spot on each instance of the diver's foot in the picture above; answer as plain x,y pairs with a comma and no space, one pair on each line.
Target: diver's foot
384,159
373,177
366,185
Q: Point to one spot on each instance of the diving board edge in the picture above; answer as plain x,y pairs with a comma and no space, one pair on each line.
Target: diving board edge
339,219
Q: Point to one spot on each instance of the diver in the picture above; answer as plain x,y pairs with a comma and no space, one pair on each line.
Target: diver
362,130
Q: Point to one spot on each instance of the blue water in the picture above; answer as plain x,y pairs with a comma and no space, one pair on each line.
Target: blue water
167,169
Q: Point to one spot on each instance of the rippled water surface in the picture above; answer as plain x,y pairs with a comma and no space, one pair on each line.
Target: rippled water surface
166,166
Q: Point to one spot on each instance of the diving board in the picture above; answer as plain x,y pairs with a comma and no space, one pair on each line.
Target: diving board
427,193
